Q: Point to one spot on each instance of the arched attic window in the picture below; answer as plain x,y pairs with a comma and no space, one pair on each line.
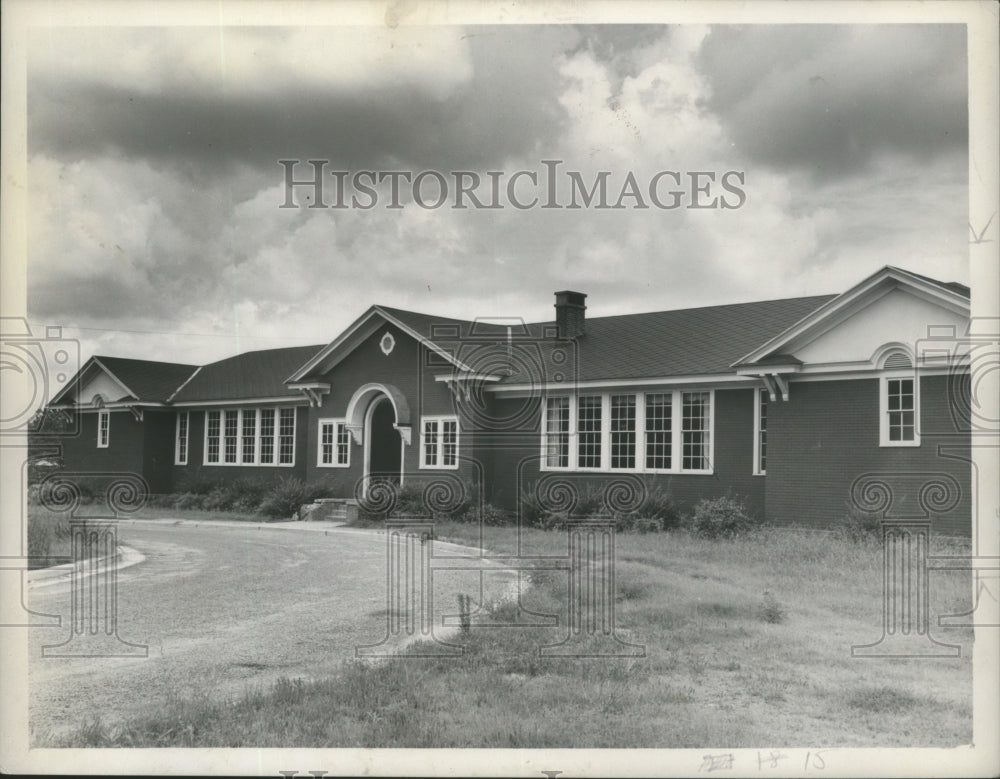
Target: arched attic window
897,359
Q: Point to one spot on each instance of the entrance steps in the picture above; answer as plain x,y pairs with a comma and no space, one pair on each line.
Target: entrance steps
330,510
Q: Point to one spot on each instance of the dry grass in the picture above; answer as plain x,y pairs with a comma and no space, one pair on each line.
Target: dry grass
747,642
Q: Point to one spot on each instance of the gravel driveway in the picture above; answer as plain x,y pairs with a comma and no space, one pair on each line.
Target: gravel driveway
224,607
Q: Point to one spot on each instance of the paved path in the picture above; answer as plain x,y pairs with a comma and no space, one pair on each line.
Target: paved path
223,607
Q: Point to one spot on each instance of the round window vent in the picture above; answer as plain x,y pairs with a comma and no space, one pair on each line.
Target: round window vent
387,344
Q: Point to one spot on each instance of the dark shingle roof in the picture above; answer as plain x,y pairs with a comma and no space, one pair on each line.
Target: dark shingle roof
249,375
692,341
149,381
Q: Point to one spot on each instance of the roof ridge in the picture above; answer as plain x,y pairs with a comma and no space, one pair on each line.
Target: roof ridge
699,308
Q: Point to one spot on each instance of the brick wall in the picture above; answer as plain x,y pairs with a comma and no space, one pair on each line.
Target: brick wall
827,434
734,409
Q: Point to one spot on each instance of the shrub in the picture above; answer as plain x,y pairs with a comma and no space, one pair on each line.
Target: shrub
188,500
771,610
286,497
637,524
39,539
860,526
723,517
219,499
488,514
657,511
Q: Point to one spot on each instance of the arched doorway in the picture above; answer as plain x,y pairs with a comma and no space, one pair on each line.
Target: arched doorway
383,444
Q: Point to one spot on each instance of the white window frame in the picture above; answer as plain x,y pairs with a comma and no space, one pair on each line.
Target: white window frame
178,458
883,392
103,429
760,396
438,422
240,414
676,433
338,424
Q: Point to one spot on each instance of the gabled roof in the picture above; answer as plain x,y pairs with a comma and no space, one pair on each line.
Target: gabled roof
421,327
248,376
693,341
661,344
949,294
146,381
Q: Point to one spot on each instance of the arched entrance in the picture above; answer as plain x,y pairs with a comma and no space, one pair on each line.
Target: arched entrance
378,418
383,444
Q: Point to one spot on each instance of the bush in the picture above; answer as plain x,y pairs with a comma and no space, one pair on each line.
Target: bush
723,517
860,527
39,540
285,498
488,514
189,500
656,512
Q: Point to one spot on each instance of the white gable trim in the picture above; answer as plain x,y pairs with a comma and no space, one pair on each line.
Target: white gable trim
78,382
831,313
342,341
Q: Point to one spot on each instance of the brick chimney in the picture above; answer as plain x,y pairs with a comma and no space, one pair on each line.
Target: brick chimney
570,313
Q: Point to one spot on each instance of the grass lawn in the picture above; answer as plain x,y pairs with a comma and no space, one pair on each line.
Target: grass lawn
747,643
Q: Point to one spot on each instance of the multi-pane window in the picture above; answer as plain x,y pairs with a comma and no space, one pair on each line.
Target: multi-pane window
899,412
439,442
695,428
449,443
103,429
212,436
231,428
267,436
181,442
557,432
286,436
760,428
430,442
623,431
659,430
249,436
665,431
588,429
334,443
245,436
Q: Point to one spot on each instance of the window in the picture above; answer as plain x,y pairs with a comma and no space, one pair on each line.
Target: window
695,425
439,442
212,437
900,405
659,432
267,436
103,429
249,436
334,444
231,435
244,436
286,436
588,429
181,442
639,432
556,445
760,433
623,431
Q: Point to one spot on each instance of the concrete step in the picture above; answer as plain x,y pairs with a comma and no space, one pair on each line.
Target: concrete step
330,510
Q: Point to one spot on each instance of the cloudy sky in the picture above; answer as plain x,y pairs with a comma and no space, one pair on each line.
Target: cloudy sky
154,184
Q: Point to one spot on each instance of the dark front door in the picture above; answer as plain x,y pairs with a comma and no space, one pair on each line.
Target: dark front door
385,444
